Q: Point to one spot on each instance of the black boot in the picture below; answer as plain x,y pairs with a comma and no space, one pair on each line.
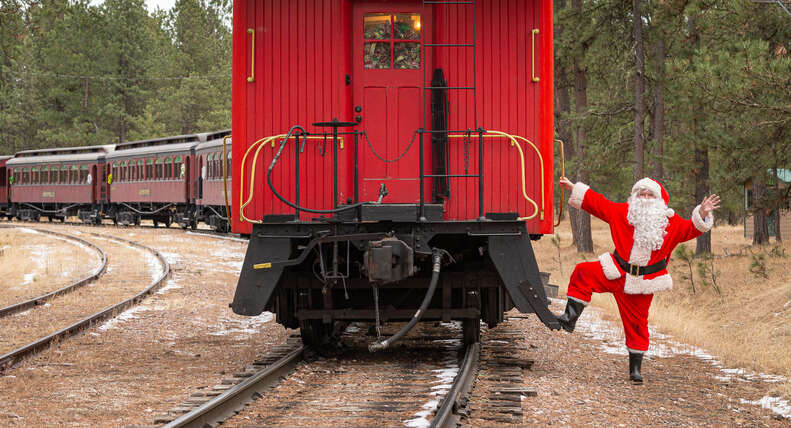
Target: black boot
635,361
569,318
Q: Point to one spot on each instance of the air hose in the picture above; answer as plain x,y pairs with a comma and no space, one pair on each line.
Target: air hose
436,256
286,201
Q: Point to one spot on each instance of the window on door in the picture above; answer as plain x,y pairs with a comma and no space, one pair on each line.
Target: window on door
392,40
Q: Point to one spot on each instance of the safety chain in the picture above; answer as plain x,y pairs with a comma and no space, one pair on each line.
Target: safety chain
365,134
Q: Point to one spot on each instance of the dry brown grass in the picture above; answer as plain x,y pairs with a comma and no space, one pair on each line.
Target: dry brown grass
748,326
32,264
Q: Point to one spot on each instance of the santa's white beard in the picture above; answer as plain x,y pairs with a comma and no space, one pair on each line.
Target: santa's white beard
649,218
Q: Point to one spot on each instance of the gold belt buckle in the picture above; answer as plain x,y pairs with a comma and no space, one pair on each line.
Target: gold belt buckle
634,270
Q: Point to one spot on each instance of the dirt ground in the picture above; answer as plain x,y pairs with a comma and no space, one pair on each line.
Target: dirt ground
150,358
185,338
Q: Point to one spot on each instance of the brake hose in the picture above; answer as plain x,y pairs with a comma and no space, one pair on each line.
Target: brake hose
436,256
286,201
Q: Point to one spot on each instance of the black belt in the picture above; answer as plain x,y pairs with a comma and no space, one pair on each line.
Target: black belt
635,270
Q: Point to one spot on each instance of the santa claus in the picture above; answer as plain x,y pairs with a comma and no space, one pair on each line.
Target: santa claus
645,232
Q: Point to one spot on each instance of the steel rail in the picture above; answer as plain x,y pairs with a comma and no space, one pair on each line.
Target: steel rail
16,355
456,398
231,401
19,307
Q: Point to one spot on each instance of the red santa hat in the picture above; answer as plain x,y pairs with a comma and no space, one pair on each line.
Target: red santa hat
656,188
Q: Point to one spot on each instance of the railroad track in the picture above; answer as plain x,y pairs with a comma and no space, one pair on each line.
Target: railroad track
208,232
397,372
39,300
9,359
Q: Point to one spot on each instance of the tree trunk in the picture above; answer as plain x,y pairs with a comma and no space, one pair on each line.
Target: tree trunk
760,226
639,90
702,190
659,110
778,204
580,220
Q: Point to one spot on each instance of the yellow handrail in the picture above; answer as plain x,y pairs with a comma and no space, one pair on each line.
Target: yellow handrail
500,134
562,175
260,144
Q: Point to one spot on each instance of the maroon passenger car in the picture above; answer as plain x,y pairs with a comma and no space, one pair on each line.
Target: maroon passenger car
4,178
151,180
58,183
212,189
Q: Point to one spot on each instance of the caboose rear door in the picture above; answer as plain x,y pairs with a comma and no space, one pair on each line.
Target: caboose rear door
388,61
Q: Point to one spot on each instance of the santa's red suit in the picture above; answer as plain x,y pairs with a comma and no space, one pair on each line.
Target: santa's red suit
633,293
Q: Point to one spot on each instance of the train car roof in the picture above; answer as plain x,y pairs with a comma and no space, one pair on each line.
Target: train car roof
156,146
213,140
61,155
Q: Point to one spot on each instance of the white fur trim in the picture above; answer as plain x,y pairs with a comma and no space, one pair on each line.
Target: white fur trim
578,194
640,285
649,184
701,224
608,266
584,303
670,212
635,351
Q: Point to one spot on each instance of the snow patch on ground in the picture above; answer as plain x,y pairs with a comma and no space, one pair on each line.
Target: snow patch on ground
247,325
444,378
126,315
610,336
775,404
171,285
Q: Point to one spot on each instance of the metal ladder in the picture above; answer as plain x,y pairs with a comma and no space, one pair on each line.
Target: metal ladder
427,90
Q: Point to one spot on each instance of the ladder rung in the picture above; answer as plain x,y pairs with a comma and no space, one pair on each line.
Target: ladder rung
452,175
451,45
449,87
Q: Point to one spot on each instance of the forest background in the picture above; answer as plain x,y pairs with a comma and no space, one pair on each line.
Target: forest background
695,93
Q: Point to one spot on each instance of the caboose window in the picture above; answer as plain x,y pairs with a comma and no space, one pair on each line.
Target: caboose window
389,41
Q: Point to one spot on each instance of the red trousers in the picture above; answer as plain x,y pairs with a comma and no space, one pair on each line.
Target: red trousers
588,278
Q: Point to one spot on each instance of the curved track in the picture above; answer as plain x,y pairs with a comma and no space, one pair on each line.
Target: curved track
16,355
22,306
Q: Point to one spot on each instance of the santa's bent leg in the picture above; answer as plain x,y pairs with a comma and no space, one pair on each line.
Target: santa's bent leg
634,316
587,278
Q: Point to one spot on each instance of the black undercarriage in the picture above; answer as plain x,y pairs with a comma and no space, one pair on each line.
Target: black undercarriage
314,274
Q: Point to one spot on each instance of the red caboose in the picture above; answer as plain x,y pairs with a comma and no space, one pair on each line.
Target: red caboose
424,140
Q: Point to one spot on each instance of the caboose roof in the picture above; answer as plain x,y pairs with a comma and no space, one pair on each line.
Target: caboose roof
60,155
